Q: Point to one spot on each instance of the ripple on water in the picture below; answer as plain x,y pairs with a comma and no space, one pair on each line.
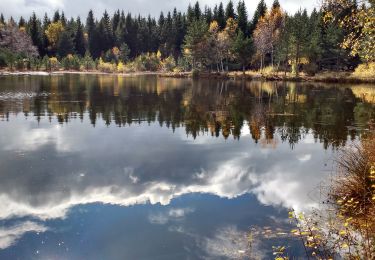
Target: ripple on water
21,95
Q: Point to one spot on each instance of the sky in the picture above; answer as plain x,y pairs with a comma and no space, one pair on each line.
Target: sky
17,8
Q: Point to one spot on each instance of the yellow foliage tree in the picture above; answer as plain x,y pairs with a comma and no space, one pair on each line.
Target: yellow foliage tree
359,22
53,33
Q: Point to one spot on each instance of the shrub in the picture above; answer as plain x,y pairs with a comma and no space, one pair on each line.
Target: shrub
71,62
365,70
106,66
168,64
183,64
53,63
87,63
195,73
147,62
311,69
268,70
120,67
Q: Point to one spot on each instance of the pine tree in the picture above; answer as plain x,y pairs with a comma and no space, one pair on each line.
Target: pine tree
2,20
46,22
120,30
208,15
22,22
79,40
65,45
299,39
105,33
315,37
242,18
197,11
92,35
115,20
35,32
243,49
190,15
221,16
259,12
63,19
229,11
215,13
275,4
56,16
194,43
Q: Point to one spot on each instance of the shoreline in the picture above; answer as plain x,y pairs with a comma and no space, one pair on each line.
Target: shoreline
324,77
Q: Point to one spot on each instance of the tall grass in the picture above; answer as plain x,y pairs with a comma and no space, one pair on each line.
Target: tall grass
365,70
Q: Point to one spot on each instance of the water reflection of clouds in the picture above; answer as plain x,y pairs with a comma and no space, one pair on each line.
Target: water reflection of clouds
126,171
224,170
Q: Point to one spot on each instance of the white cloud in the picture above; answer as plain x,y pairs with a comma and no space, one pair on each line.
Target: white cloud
304,158
231,243
162,218
10,235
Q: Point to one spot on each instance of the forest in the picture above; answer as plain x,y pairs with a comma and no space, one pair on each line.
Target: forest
339,36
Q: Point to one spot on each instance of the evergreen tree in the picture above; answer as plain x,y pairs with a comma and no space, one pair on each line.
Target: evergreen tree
130,35
242,18
63,19
2,20
46,23
208,15
259,12
229,11
105,33
115,20
243,49
299,39
65,45
178,32
190,15
221,16
35,32
275,4
194,43
215,13
92,35
124,52
56,16
197,11
22,22
315,37
79,40
120,30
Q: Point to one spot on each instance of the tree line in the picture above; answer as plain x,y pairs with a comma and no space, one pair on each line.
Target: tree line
218,39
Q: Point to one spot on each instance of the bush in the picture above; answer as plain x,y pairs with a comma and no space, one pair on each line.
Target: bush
195,73
106,66
147,62
35,63
365,70
168,64
268,70
311,69
120,67
71,62
87,63
54,63
5,57
183,64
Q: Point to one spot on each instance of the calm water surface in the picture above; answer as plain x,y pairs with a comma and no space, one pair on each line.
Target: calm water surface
107,167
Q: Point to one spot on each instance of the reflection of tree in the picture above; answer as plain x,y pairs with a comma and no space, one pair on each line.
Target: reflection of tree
216,107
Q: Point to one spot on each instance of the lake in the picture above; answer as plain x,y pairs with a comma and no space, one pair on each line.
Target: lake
121,167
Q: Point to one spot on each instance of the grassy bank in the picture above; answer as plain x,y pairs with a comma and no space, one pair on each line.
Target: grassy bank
324,77
328,77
